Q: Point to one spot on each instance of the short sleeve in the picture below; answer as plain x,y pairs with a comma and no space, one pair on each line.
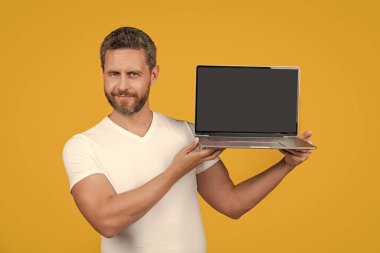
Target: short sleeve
79,159
207,164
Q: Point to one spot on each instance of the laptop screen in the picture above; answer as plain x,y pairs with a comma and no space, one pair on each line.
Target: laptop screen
239,99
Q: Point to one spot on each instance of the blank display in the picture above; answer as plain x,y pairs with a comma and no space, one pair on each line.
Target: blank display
246,99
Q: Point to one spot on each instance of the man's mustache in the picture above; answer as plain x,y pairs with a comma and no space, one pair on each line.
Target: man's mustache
124,93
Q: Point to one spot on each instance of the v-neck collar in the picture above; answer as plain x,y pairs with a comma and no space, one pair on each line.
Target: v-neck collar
130,134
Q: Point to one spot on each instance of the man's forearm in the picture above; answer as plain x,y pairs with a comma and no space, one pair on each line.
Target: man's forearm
250,192
126,208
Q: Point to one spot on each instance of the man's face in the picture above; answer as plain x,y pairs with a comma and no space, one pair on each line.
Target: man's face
127,79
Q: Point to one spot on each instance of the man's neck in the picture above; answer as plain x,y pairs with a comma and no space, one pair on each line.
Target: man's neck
137,123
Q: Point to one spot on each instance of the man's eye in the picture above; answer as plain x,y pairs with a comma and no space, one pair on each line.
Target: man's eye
132,74
114,74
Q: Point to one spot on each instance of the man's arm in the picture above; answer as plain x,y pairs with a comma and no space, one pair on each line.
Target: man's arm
216,187
109,213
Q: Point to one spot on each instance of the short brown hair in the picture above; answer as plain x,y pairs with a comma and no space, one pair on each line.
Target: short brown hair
129,37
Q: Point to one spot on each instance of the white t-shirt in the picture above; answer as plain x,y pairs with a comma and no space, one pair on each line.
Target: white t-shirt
128,161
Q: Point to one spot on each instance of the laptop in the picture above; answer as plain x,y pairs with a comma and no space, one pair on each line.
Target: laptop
247,107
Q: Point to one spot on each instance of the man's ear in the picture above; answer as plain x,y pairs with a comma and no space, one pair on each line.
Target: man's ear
154,74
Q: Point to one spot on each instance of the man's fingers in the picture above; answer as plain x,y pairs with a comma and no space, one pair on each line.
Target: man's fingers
297,152
208,152
213,155
216,154
288,154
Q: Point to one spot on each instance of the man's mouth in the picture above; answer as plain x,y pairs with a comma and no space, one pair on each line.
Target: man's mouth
125,96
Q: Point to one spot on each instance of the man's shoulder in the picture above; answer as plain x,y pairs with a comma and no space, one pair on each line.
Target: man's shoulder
85,136
173,122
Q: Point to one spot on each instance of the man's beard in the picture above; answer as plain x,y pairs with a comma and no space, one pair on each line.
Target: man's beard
126,107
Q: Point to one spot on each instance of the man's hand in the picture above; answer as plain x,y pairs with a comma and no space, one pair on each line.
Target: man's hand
296,157
189,157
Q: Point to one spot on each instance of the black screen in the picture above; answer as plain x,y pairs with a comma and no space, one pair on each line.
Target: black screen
246,99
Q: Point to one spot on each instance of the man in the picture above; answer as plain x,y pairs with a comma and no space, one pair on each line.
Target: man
135,175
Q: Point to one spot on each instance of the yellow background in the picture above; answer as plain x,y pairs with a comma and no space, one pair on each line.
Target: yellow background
52,88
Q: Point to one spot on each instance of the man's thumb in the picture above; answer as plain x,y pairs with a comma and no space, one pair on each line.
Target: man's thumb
306,134
192,146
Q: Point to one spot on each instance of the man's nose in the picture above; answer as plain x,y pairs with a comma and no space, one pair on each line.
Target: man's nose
124,82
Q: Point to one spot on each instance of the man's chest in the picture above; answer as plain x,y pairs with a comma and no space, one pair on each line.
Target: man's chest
130,164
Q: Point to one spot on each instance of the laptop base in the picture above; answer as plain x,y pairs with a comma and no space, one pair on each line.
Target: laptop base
291,142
